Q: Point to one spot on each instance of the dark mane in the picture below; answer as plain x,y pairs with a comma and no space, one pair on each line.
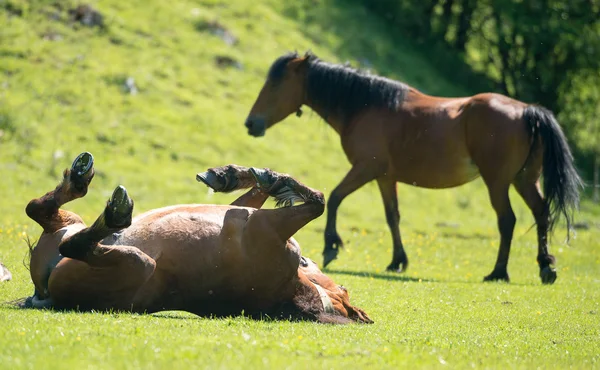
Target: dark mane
342,90
277,69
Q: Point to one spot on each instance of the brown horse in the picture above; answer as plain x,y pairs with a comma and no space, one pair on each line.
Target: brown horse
204,259
393,133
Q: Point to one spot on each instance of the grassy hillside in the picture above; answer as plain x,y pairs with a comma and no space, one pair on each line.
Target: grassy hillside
62,92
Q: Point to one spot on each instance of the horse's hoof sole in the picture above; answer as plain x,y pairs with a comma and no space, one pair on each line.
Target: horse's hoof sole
120,207
82,164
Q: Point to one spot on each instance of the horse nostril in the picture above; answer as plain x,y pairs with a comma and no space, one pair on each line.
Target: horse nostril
249,123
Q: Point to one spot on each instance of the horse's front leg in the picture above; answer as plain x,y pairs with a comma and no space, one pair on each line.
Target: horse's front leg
46,209
231,178
360,174
254,198
287,220
387,188
264,183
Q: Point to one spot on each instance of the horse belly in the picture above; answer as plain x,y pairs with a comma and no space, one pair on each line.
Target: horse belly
436,158
187,229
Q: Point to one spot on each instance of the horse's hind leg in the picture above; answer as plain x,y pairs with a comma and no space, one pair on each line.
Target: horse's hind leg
533,197
120,269
46,209
506,224
84,245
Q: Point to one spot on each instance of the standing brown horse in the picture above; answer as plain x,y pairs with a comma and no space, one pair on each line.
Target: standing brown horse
204,259
393,133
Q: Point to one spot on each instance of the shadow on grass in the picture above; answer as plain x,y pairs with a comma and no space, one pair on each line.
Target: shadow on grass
383,276
474,236
282,312
394,277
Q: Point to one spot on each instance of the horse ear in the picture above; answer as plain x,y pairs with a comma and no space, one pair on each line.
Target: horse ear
300,64
309,54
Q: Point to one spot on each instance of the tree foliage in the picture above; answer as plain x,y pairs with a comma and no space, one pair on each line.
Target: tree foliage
539,51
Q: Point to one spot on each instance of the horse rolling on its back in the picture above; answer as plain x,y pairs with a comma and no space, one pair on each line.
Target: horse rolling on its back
391,133
205,259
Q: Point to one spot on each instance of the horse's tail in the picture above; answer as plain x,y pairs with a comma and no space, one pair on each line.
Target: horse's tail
561,180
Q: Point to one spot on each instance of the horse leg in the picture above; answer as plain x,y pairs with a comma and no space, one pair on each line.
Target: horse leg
254,198
46,209
358,176
84,245
286,221
387,187
121,269
530,192
232,177
118,270
506,224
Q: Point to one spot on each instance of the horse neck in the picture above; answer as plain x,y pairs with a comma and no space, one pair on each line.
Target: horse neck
332,119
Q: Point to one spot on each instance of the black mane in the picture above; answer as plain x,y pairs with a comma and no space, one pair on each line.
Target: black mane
342,90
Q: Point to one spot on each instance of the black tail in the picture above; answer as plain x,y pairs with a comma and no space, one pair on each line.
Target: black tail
561,180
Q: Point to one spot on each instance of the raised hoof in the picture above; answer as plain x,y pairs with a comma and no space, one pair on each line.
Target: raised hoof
119,209
328,256
548,275
211,180
82,170
497,276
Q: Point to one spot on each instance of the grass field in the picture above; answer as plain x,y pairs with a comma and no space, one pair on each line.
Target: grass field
61,93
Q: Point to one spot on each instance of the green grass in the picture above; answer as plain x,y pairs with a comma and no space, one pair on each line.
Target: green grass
58,98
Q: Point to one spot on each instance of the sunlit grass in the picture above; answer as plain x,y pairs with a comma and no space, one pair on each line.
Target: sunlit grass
63,97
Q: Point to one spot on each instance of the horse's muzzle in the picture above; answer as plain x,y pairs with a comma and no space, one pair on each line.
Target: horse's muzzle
256,126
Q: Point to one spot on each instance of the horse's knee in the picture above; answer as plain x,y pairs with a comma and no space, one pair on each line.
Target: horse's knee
143,263
319,207
33,209
30,209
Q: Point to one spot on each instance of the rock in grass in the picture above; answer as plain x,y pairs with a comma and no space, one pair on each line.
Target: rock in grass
130,86
224,61
218,30
87,16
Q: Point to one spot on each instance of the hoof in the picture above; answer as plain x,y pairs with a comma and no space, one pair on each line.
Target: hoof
211,180
548,275
119,209
82,170
328,256
497,276
399,266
